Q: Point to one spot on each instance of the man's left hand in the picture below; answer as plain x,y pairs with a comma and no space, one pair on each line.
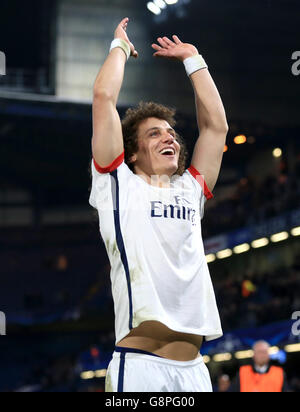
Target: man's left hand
174,49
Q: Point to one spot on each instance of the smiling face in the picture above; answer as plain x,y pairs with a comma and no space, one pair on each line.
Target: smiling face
159,150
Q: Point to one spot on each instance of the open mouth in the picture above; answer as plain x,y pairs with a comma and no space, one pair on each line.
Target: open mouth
168,152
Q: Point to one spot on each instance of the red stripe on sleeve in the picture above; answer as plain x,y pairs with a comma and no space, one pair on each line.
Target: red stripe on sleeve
113,166
200,179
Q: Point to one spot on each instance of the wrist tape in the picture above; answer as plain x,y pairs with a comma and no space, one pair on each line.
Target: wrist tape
194,63
123,45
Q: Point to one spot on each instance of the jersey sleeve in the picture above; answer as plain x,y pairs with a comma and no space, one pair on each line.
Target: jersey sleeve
103,180
201,182
198,182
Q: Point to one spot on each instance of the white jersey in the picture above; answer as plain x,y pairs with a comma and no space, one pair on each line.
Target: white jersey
154,243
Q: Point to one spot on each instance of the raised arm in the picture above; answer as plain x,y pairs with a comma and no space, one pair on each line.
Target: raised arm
212,123
107,141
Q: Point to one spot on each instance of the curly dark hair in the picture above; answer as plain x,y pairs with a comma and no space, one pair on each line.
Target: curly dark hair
134,117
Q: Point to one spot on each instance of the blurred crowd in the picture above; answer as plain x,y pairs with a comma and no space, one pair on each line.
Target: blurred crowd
253,301
225,383
257,300
253,202
63,373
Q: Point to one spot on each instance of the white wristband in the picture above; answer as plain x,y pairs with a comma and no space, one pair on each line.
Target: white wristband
123,45
194,63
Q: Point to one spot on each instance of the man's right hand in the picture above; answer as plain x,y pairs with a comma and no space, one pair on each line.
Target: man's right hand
120,33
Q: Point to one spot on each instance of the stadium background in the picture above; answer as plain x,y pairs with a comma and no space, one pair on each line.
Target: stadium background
54,282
